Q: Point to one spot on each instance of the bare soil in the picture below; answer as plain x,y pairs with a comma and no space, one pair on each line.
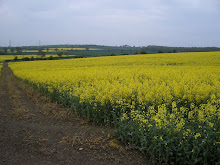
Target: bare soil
36,131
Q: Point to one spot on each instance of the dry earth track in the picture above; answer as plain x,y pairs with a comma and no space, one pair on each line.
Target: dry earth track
36,131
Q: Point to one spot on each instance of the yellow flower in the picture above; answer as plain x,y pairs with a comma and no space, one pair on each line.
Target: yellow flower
197,135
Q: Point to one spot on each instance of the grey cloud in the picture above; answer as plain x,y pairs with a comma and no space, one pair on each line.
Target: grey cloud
114,22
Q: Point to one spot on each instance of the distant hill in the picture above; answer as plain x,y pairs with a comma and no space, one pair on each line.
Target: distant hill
104,50
167,49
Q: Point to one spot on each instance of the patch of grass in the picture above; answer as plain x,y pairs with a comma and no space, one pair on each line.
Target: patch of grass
114,144
21,113
72,140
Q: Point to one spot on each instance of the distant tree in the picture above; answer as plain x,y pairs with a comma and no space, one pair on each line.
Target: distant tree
160,51
51,58
59,53
6,50
47,49
143,52
2,52
87,48
18,49
12,50
41,53
174,50
56,50
25,59
15,58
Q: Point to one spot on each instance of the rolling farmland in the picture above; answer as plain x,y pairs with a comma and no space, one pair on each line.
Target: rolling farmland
166,105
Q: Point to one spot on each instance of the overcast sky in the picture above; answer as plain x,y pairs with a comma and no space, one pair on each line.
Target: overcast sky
110,22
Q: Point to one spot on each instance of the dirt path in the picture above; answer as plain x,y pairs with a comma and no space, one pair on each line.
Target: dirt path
35,131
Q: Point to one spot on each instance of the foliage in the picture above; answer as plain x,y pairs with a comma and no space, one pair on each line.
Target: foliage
18,49
0,68
41,53
60,53
65,52
26,59
143,52
12,50
155,49
103,50
6,50
176,135
32,58
2,52
166,105
51,58
15,58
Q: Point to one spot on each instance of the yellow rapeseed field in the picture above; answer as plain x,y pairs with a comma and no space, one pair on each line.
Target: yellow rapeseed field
166,105
11,57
